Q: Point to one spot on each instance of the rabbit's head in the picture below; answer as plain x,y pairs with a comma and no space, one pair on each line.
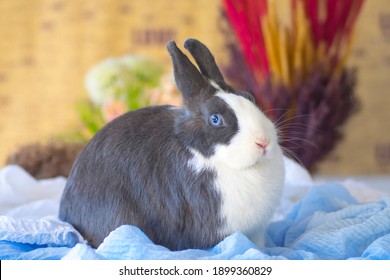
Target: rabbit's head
220,125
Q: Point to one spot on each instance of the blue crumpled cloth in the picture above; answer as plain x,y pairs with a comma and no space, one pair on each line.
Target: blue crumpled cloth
28,238
327,223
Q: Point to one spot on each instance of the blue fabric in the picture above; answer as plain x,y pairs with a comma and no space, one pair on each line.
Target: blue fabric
23,251
35,239
45,231
327,223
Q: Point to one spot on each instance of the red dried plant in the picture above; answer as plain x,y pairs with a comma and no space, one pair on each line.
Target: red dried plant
297,74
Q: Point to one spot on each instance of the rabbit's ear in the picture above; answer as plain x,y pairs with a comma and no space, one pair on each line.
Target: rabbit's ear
188,79
205,60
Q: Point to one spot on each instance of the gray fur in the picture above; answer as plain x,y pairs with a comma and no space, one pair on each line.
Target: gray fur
205,60
135,171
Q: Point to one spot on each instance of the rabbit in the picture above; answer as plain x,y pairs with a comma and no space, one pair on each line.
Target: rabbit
186,176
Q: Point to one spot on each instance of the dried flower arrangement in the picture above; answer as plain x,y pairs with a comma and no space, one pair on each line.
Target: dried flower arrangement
297,73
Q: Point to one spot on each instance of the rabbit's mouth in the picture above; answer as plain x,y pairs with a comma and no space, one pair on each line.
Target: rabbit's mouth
262,145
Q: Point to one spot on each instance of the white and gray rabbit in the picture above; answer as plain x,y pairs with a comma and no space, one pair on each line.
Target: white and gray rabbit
188,176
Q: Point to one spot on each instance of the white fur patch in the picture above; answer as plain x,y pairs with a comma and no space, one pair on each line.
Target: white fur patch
214,84
250,181
253,127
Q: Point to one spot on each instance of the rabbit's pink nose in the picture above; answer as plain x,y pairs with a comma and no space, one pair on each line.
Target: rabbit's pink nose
262,144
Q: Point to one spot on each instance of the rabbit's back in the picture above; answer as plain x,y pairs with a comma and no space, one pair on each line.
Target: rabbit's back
136,171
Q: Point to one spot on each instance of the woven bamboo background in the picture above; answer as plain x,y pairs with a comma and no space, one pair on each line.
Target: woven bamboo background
366,147
47,46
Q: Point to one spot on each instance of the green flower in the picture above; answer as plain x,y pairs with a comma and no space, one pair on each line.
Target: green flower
115,86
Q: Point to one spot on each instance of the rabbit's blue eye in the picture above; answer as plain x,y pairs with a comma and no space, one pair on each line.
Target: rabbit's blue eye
216,120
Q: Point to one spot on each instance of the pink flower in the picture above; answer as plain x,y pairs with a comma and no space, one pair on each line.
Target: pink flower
113,108
165,94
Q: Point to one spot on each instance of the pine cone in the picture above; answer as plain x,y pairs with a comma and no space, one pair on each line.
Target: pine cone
46,160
